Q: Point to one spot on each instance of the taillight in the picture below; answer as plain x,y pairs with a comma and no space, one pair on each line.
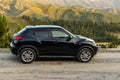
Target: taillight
18,38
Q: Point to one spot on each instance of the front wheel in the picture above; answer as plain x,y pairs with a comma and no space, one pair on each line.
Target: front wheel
85,55
27,55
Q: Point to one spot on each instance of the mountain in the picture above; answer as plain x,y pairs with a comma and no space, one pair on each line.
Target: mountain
20,8
100,4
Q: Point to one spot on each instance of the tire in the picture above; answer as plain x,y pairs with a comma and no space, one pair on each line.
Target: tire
85,55
27,55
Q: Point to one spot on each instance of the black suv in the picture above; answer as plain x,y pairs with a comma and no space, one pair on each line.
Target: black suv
47,40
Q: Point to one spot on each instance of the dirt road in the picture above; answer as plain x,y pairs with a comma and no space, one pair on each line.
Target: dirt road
104,66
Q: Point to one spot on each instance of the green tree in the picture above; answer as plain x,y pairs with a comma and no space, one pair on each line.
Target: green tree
3,25
4,36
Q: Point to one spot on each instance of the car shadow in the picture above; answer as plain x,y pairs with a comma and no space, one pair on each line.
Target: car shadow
57,59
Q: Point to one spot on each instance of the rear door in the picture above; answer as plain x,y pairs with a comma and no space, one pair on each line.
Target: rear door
46,45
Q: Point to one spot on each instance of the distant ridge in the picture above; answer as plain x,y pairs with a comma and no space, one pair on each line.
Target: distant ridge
101,4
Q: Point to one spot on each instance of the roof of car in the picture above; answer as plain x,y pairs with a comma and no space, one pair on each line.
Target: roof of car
43,26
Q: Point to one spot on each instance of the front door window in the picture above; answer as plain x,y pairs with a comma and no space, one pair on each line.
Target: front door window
59,35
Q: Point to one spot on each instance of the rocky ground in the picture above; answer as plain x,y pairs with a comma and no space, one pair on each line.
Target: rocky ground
104,66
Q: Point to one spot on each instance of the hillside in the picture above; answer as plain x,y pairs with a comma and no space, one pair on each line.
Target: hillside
97,24
15,9
19,8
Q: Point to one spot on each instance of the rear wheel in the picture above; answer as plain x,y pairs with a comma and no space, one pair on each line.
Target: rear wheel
85,55
27,55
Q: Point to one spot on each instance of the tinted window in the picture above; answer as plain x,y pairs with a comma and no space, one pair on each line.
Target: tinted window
41,33
59,34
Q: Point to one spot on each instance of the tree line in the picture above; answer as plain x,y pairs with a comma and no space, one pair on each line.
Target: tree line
99,31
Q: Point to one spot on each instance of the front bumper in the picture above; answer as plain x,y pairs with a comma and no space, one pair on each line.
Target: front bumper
96,50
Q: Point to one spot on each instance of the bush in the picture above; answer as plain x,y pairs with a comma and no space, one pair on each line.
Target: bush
103,46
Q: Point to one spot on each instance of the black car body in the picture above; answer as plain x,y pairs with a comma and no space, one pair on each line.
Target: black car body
49,40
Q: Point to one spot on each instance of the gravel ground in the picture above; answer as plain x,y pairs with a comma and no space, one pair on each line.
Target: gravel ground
104,66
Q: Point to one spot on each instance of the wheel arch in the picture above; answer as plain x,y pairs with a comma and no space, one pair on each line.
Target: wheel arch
87,46
29,46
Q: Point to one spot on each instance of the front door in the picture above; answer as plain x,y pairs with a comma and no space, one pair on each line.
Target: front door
63,44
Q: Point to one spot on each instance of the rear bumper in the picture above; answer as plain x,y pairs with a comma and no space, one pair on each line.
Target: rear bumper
13,49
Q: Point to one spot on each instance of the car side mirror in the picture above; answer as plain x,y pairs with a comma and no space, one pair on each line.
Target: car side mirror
69,38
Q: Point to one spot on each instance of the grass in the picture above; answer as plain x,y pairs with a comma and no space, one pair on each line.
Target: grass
117,34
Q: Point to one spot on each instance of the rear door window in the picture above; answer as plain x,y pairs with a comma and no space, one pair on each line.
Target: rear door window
41,33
